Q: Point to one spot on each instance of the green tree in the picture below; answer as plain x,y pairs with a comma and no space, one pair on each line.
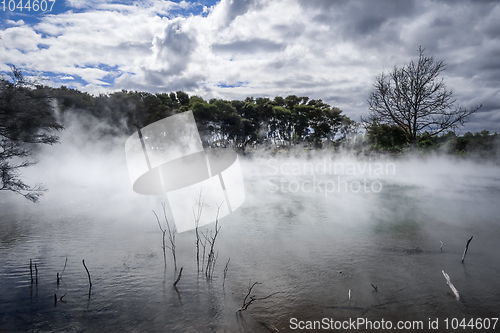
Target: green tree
385,137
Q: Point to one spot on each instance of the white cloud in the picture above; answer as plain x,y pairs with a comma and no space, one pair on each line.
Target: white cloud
20,38
322,49
20,22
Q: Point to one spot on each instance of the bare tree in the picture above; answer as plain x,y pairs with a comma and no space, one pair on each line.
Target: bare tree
26,119
414,98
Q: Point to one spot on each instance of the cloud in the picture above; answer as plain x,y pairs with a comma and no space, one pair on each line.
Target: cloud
323,49
11,22
227,10
172,50
20,38
247,47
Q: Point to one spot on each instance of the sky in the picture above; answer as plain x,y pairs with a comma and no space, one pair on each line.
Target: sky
231,49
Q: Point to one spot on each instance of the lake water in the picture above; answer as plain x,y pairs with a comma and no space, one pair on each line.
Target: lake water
308,248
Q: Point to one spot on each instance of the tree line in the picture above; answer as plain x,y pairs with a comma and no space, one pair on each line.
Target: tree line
409,108
383,138
282,121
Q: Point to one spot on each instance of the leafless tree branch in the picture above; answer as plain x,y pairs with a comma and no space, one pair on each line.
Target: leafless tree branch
414,98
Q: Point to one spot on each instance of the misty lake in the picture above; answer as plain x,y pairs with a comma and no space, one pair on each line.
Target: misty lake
308,249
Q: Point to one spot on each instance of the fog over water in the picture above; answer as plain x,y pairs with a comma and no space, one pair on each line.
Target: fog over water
313,227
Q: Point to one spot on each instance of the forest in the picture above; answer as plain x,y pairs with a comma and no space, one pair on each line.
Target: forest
264,123
246,125
243,124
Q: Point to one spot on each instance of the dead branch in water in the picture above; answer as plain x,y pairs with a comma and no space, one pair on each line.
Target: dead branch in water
213,264
441,245
466,248
452,287
36,275
204,244
247,301
212,256
31,272
64,268
163,238
374,287
171,237
90,282
179,277
197,217
225,273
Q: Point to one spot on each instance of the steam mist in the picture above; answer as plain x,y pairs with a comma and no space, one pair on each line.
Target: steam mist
311,243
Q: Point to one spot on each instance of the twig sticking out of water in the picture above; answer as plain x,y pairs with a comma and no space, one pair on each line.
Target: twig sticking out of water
225,273
197,217
374,287
163,231
55,300
36,275
204,244
90,282
179,277
212,256
466,248
246,303
171,237
64,268
31,272
441,244
349,294
452,287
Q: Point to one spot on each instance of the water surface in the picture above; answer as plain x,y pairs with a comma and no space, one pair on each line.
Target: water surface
308,248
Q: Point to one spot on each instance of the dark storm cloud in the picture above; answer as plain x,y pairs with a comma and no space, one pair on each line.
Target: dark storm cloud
465,35
483,65
248,47
358,18
478,122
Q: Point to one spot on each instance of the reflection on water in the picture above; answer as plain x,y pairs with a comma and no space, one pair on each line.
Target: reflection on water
311,249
